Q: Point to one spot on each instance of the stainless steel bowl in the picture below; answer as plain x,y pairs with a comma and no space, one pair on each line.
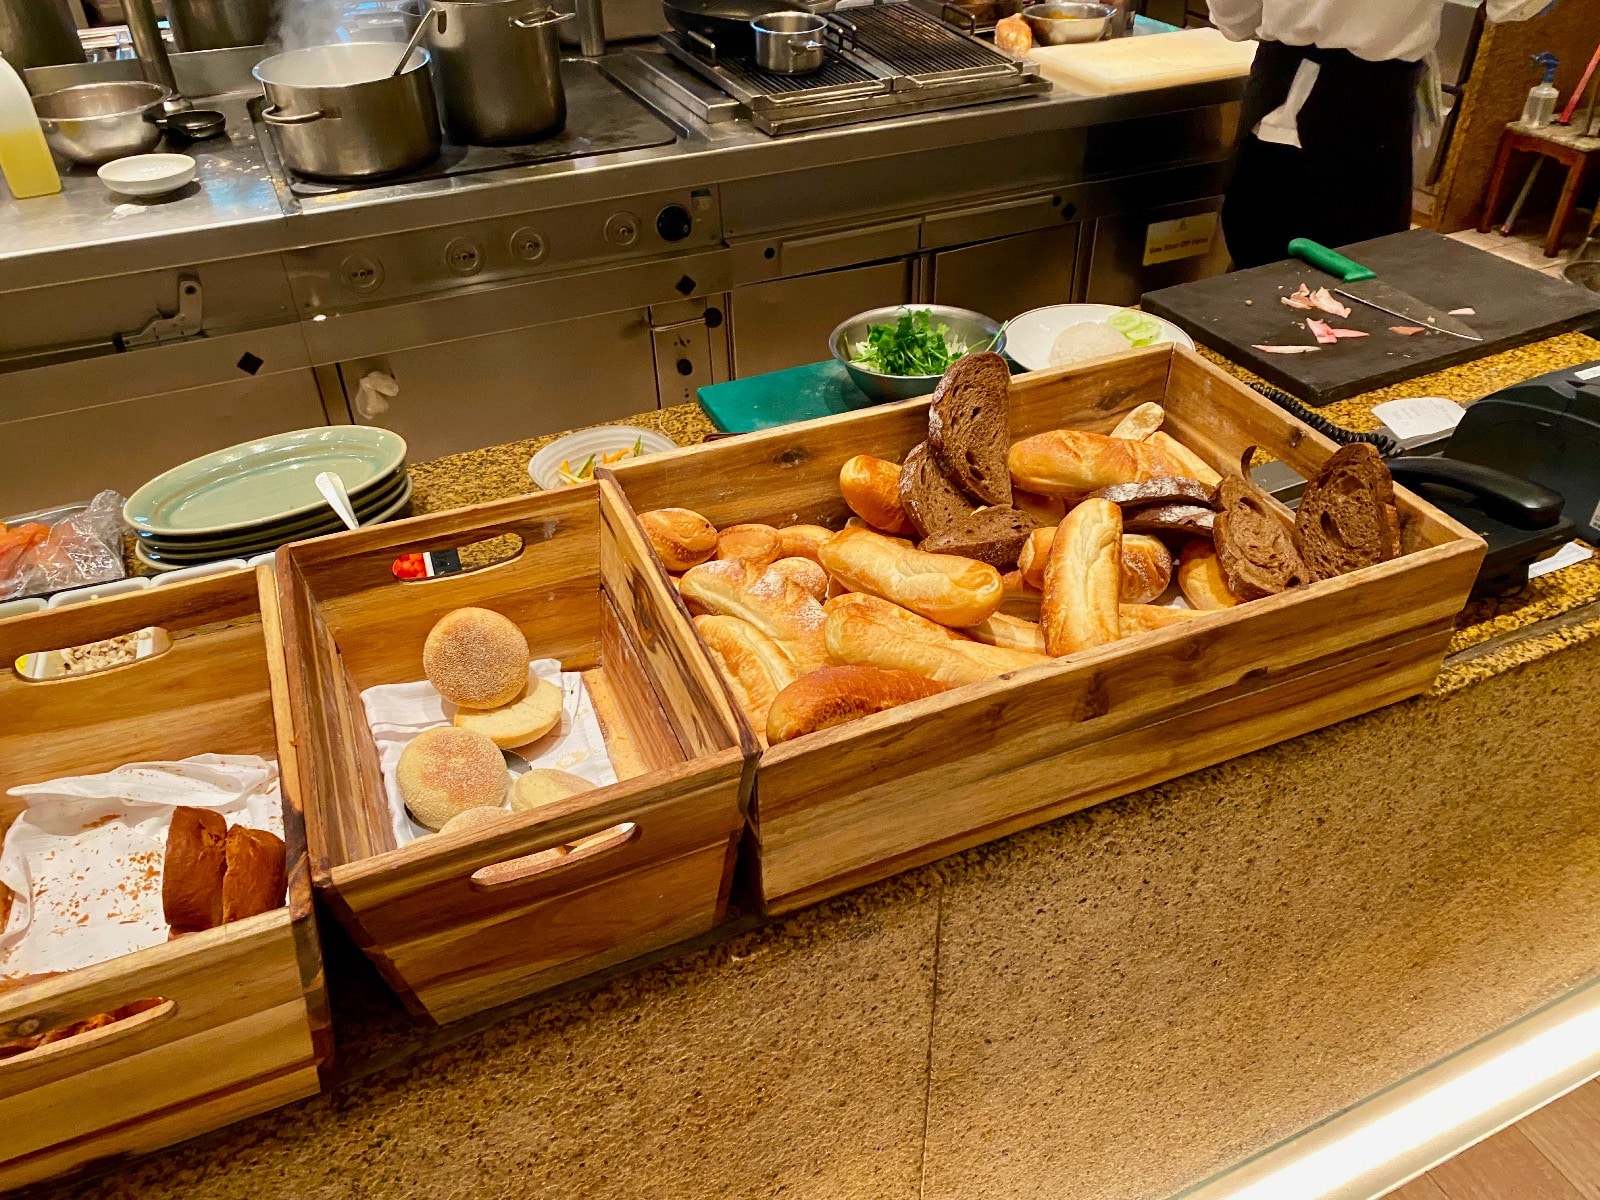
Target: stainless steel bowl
1059,24
974,330
94,123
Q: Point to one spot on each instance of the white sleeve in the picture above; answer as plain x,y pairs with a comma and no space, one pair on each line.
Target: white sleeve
1238,19
1517,10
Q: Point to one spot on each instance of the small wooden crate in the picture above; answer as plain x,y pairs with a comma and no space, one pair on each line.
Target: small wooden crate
242,1024
846,806
461,922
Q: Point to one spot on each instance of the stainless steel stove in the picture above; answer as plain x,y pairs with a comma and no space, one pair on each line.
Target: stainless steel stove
888,59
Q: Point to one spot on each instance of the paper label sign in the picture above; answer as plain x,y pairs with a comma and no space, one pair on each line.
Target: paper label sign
1569,555
1419,416
1186,237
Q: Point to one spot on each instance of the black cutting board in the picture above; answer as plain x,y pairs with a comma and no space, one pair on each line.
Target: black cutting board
1514,305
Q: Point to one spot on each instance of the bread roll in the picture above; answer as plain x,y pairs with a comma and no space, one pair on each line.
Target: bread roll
1200,576
870,637
776,606
1146,568
871,487
1013,633
256,879
1083,579
1035,553
1047,510
1189,463
835,695
445,771
802,541
755,668
1142,618
754,545
191,872
1022,598
1071,463
474,818
526,719
476,658
887,614
681,537
544,785
1141,422
805,572
942,587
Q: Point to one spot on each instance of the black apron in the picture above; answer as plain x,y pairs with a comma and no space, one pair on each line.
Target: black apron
1351,177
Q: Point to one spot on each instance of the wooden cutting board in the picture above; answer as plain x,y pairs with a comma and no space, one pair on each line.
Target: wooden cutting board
1513,305
1134,64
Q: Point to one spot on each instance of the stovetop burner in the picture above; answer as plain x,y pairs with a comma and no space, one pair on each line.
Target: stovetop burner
601,119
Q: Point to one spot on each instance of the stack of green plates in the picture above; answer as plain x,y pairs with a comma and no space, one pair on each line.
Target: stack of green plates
252,498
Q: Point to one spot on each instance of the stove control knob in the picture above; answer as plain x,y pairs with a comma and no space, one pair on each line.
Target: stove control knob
464,256
674,223
528,245
361,274
622,229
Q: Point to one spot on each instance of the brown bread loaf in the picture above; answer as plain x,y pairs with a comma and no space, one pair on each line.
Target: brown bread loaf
1253,544
256,879
1347,518
191,873
969,426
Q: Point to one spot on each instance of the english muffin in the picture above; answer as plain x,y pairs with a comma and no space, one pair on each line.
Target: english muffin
526,719
476,658
445,771
542,786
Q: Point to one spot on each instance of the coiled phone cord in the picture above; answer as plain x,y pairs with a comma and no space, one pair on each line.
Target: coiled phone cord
1387,446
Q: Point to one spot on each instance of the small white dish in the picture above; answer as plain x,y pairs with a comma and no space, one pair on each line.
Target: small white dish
1031,337
544,468
201,572
99,591
148,174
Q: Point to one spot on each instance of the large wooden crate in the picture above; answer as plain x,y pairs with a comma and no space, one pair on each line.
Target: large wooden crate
242,1024
842,807
461,922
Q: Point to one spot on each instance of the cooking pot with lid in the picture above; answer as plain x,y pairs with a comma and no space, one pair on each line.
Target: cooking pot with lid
338,113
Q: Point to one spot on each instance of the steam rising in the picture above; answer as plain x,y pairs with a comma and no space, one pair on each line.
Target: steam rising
304,23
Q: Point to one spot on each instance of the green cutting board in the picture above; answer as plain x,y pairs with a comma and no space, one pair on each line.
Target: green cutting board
782,397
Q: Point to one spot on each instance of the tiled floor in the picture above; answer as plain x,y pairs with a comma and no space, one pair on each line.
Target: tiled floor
1526,245
1551,1154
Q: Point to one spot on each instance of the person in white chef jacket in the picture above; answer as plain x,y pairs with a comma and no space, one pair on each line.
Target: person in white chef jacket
1325,137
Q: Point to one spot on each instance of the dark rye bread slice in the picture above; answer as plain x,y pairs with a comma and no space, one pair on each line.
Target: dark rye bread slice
1253,544
1166,489
933,503
1347,519
969,429
1189,520
992,535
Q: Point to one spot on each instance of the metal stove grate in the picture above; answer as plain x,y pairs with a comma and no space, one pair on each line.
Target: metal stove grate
913,43
834,73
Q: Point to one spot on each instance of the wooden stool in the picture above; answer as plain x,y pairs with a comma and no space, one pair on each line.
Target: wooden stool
1558,142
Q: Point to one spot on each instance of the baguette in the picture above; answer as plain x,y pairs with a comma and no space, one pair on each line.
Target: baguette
1142,618
904,622
1189,463
1046,510
1021,597
835,695
805,572
1013,633
1200,576
942,587
681,537
754,545
868,636
1146,568
752,663
1141,422
1070,463
802,541
871,487
776,606
1083,579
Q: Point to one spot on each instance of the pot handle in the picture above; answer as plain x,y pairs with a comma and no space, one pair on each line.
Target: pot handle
273,115
538,20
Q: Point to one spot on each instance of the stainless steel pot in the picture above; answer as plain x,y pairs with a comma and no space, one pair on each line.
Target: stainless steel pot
94,123
217,24
790,43
38,33
338,113
498,64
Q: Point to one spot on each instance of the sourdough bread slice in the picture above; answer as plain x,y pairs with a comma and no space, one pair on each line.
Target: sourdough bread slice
969,431
992,535
933,503
1347,517
1253,544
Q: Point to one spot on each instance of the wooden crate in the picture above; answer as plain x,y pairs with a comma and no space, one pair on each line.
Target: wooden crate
846,806
243,1023
461,922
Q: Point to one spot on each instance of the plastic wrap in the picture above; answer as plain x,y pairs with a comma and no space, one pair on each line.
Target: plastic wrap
78,550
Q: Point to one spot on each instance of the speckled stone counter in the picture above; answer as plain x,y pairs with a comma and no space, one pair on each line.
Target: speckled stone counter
1107,1007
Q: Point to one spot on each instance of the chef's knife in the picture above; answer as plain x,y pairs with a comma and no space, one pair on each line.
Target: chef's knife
1363,285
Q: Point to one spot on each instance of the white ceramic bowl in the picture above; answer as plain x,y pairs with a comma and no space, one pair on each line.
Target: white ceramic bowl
544,468
1030,337
148,174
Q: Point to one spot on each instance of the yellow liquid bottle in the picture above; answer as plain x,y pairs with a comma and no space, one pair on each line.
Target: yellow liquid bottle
24,157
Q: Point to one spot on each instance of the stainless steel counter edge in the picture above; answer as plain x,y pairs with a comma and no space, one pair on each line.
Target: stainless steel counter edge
83,236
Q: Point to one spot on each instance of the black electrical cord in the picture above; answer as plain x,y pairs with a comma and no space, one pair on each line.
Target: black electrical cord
1387,446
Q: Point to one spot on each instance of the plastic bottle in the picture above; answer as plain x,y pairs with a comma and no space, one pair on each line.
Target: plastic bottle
24,157
1541,106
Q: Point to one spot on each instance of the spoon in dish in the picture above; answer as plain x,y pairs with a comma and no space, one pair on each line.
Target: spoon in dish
333,491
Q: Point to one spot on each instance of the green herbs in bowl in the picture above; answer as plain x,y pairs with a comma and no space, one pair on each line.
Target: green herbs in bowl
912,345
900,352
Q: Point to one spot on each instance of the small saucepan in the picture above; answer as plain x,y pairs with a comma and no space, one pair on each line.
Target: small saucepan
722,27
790,43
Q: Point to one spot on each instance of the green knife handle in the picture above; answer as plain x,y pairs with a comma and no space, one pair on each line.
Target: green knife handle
1331,261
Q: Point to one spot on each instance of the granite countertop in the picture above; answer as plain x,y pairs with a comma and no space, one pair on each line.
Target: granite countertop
1556,610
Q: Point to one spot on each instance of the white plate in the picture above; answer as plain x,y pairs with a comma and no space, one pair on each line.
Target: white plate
544,468
148,174
1030,337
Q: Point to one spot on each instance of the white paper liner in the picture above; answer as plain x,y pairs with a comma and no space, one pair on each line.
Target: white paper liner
84,861
397,712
